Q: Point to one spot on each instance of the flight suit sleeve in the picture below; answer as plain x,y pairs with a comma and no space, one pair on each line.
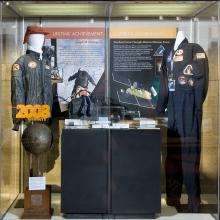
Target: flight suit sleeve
200,75
163,91
17,90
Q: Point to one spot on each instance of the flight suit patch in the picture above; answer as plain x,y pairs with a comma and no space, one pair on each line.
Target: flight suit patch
16,67
190,82
188,70
200,55
32,64
182,80
178,58
179,52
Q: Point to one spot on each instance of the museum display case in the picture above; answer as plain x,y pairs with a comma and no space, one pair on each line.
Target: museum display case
106,59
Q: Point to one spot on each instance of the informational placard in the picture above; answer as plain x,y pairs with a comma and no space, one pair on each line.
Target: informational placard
135,66
77,49
37,183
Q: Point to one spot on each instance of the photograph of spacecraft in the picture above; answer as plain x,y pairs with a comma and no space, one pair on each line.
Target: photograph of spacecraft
133,92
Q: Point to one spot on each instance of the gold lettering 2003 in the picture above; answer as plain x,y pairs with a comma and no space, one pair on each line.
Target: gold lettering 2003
33,112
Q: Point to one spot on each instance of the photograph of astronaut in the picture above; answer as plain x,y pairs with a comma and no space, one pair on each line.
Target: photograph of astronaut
80,92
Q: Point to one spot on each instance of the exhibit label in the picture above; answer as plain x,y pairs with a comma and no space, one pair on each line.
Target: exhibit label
136,56
75,33
142,33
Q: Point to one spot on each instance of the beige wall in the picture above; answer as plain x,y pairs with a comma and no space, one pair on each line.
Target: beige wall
208,38
10,140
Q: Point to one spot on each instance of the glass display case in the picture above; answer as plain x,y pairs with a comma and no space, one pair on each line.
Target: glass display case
117,49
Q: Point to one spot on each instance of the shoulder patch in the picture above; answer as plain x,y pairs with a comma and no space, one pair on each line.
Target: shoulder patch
32,64
200,55
15,67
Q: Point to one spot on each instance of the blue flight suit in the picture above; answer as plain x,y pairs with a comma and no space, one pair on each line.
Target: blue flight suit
183,89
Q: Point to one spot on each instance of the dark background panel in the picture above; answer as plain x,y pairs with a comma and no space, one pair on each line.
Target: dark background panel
136,171
136,60
84,171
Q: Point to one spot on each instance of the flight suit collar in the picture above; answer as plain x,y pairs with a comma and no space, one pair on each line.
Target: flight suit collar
182,44
33,53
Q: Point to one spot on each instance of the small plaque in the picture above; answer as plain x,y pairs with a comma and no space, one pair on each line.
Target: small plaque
36,200
37,183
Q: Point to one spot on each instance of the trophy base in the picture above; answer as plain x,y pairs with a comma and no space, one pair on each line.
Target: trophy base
37,204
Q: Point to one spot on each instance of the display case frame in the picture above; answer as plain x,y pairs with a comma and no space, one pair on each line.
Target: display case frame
201,27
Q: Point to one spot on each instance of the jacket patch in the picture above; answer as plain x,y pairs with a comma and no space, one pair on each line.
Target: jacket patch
188,70
47,67
32,64
16,67
200,55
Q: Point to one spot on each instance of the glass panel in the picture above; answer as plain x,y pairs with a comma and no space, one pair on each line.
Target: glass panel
136,52
77,46
207,28
129,50
120,46
10,140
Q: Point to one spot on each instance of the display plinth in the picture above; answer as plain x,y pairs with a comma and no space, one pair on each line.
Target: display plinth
37,204
110,173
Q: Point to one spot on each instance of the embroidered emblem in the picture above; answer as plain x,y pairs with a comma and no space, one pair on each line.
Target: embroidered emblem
179,52
182,80
32,64
190,82
16,67
188,70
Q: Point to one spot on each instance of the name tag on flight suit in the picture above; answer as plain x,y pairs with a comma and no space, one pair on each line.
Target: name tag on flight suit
171,85
178,58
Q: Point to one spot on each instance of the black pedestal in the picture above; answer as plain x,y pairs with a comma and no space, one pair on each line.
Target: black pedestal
110,173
